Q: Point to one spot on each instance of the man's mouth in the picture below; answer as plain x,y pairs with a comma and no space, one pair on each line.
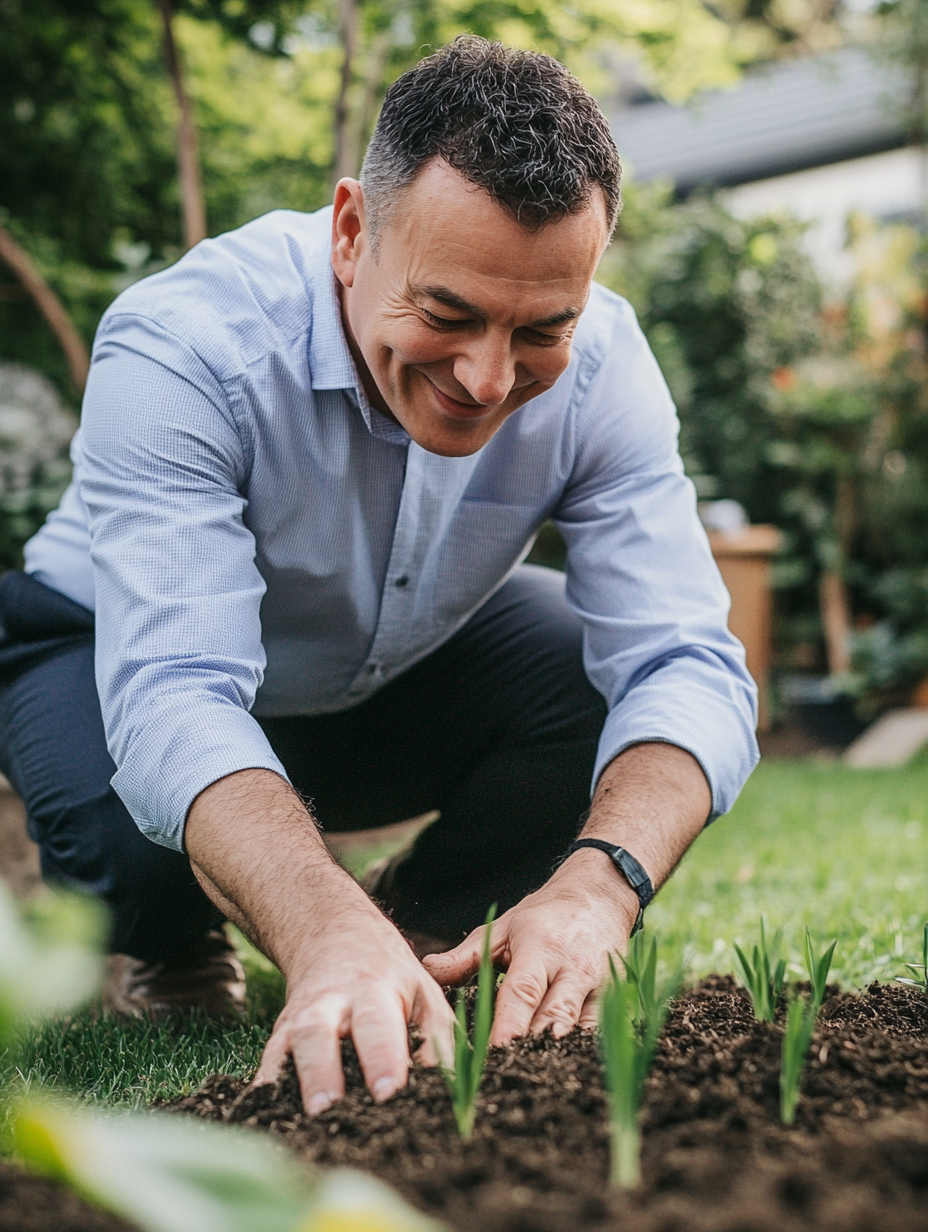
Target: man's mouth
460,410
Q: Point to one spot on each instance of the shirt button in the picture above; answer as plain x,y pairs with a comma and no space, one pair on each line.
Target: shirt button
372,669
402,581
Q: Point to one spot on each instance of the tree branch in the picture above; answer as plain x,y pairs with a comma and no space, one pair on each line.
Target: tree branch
345,153
49,305
188,158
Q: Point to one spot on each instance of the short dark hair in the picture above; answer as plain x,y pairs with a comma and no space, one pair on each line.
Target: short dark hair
515,123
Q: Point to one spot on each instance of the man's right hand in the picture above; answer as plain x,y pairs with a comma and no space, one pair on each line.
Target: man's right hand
257,853
361,980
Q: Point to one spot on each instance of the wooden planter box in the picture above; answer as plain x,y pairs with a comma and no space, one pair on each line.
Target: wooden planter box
743,558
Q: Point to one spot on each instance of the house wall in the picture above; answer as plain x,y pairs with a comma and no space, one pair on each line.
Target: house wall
892,185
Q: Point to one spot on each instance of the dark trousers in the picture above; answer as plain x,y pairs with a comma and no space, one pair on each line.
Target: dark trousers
497,729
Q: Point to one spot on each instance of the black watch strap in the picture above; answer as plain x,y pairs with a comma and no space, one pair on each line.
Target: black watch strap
628,866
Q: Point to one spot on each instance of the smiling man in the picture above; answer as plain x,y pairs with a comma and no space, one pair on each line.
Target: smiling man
312,457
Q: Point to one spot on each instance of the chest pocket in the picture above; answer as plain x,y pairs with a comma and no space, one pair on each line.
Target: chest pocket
485,541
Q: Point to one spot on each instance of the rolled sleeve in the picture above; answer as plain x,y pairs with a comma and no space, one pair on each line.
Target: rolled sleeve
179,655
642,578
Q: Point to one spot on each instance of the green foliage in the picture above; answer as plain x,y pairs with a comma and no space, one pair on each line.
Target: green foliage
764,974
921,982
631,1016
470,1054
797,1038
817,968
810,411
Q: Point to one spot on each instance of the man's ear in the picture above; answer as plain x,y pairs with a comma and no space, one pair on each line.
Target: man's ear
348,230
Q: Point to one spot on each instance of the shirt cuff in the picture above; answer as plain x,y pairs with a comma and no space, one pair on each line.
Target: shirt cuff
162,775
715,725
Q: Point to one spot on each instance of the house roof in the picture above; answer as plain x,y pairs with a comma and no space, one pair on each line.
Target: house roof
784,117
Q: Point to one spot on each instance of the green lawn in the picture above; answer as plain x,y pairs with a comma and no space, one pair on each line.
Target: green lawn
808,843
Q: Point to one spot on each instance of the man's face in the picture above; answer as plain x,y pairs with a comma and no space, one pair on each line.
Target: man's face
464,315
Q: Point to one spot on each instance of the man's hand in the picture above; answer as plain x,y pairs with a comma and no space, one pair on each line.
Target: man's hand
555,948
257,853
555,944
361,980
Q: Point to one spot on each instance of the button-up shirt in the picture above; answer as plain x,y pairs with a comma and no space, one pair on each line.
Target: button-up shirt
257,539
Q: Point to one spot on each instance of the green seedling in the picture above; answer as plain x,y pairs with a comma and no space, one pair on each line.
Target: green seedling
797,1038
764,974
470,1054
818,969
649,998
922,982
631,1015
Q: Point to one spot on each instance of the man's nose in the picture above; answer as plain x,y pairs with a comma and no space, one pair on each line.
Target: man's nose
487,370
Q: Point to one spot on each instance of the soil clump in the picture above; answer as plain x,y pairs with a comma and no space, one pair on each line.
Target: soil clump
715,1157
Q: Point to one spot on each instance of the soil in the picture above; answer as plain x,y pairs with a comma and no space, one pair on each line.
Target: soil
31,1204
715,1156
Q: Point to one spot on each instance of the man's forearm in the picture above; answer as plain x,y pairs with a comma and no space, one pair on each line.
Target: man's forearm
653,799
258,854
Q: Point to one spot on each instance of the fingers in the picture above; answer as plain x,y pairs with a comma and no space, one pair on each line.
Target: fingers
316,1047
436,1026
457,965
276,1051
378,1028
589,1015
562,1004
520,995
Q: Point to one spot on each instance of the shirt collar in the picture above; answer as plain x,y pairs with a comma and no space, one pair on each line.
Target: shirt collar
331,365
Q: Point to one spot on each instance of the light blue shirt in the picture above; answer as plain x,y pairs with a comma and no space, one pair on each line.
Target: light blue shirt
256,538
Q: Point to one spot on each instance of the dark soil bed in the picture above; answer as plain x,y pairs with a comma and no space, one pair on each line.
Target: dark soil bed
31,1204
716,1158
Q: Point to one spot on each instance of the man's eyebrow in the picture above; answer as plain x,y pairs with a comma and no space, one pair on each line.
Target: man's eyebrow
443,295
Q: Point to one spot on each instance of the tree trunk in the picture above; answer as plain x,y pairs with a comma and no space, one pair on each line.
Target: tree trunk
50,307
834,604
373,79
836,622
346,158
188,160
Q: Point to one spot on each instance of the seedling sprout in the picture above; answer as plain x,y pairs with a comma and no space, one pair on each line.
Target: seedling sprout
921,983
470,1055
818,969
797,1037
632,1013
764,974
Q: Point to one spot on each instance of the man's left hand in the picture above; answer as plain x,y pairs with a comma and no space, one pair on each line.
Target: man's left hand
554,946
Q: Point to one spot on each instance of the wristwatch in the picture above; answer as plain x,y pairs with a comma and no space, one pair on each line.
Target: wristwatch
628,866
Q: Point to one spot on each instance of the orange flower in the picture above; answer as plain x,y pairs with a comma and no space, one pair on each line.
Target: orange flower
784,379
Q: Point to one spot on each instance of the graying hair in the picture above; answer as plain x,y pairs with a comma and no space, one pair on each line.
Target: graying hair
515,123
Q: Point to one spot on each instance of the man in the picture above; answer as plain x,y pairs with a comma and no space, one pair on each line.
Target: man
306,496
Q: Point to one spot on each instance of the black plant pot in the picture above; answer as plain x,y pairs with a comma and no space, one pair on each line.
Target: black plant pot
832,723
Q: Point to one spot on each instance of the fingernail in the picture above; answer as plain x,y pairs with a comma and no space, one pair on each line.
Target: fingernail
382,1089
318,1103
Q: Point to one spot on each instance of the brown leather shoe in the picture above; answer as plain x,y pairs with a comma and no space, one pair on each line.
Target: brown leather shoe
208,977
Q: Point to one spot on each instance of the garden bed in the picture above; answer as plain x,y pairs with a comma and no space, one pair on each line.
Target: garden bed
715,1154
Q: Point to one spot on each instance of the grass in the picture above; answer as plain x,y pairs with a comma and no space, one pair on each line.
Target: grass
808,844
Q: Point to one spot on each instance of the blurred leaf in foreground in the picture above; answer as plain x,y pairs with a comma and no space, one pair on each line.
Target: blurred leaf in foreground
173,1174
49,965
